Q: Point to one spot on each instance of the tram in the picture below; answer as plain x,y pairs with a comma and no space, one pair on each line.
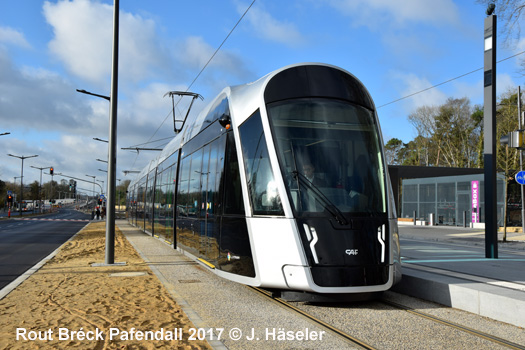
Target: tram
282,184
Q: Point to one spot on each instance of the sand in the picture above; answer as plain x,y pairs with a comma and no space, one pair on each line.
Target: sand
68,295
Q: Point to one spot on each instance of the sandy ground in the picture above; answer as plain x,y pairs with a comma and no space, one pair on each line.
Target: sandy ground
67,295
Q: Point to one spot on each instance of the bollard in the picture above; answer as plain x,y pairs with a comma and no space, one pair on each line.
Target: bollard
431,219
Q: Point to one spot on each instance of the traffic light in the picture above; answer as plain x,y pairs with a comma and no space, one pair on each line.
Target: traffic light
9,198
51,171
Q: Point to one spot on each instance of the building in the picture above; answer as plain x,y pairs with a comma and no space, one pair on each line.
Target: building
443,196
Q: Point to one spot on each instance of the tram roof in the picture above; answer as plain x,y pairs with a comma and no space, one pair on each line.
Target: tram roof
244,100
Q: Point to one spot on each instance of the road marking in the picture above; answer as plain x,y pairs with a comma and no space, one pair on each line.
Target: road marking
42,219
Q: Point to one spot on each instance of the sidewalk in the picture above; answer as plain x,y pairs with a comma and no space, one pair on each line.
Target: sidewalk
69,304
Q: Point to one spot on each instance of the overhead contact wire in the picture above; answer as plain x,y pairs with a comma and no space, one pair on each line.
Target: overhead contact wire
206,65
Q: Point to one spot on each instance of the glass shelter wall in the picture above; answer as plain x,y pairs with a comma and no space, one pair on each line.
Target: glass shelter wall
448,198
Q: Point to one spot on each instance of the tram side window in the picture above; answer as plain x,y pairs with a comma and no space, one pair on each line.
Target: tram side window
141,194
150,196
262,187
183,200
233,202
195,184
221,107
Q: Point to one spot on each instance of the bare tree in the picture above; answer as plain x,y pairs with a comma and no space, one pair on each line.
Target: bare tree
424,120
455,133
447,134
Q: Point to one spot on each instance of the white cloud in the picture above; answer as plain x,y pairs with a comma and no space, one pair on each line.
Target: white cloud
83,42
194,52
380,13
37,98
11,36
43,107
84,38
410,84
504,83
270,28
472,90
521,45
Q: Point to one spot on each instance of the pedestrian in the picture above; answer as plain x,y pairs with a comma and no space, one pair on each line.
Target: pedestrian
98,213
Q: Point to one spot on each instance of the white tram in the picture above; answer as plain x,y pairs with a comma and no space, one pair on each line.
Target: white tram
282,184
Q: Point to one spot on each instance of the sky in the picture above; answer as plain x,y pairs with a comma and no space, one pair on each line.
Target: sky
48,49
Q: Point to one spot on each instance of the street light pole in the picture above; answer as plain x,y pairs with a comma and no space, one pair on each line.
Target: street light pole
40,187
102,181
112,145
22,178
112,142
93,193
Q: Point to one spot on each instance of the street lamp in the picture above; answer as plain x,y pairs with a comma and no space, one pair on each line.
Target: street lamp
112,141
22,177
40,187
102,181
92,94
94,177
4,133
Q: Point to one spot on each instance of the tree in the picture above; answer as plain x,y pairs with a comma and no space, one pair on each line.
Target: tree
3,192
448,135
121,192
410,154
35,190
392,151
455,134
423,119
507,117
477,117
50,190
507,159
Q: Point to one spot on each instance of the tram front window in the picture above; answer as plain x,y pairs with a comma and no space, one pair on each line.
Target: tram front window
330,156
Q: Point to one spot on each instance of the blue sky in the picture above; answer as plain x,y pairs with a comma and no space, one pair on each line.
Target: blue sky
50,48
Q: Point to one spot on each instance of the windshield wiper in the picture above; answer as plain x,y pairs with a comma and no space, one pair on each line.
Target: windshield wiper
327,203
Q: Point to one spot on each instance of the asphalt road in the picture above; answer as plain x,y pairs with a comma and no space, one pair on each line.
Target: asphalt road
26,241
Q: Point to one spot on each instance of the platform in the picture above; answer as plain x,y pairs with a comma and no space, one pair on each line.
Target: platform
448,266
